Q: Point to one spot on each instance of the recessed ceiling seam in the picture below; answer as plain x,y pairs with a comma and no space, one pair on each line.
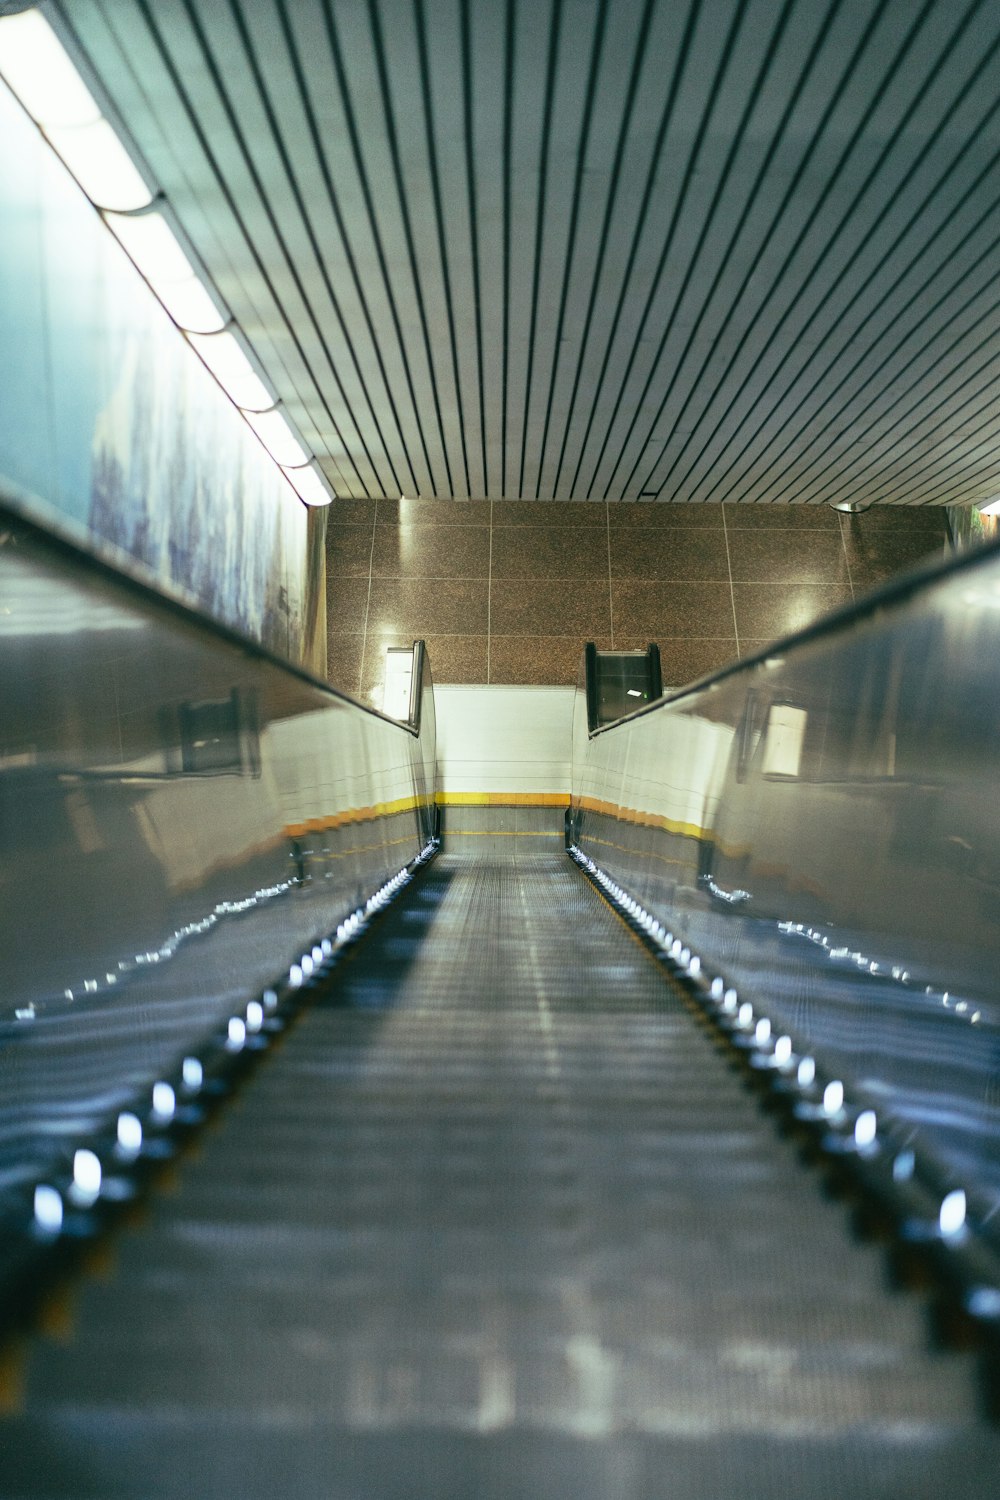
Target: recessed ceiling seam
989,386
432,162
666,118
735,249
333,202
277,136
686,179
147,11
937,333
364,182
777,140
611,198
596,52
540,219
779,218
404,207
862,241
779,280
694,260
508,122
273,219
917,217
471,194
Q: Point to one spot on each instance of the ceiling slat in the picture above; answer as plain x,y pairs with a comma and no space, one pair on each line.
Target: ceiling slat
690,249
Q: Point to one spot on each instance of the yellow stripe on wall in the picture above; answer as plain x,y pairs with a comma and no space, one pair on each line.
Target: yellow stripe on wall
409,804
503,799
356,815
643,819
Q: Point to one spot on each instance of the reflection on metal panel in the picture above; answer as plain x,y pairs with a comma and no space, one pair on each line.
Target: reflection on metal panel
398,679
181,820
821,827
786,727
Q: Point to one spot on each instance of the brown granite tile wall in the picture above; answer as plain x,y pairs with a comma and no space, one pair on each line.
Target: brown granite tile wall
508,591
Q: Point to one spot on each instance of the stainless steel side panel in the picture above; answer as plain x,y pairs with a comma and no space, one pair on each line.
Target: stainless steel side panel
181,818
824,829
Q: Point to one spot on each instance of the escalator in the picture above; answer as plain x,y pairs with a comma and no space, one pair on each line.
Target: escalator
502,1193
496,1219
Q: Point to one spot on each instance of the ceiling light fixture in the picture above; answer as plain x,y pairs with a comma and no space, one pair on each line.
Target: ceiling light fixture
989,507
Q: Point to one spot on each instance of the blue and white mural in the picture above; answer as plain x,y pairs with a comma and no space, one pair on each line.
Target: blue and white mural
110,424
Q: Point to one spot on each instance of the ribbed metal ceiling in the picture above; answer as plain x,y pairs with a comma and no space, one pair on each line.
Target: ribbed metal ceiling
725,249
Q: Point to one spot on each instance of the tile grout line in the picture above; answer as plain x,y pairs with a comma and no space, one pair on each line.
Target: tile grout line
611,601
729,570
368,600
847,560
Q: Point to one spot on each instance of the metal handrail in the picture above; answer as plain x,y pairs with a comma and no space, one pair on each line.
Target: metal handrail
895,592
130,574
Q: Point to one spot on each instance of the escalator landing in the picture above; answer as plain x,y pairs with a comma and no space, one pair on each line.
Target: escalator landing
496,1220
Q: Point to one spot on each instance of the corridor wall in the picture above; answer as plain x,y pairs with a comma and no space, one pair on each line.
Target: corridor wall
111,428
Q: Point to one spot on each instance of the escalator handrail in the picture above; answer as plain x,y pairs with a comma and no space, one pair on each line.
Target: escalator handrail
133,575
891,594
417,686
591,688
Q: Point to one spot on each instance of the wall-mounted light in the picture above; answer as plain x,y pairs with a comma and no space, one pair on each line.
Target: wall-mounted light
228,362
277,437
101,165
46,81
38,70
308,483
152,246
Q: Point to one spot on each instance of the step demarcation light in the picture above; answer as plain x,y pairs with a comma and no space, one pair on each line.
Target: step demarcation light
101,165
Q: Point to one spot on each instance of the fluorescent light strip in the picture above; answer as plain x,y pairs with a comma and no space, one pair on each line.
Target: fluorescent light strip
45,79
277,437
42,75
309,484
228,362
154,249
101,165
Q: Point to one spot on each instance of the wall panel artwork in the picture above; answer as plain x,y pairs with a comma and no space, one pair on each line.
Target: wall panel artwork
111,427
